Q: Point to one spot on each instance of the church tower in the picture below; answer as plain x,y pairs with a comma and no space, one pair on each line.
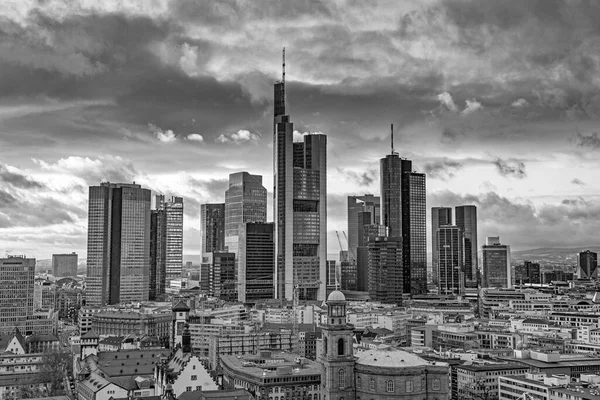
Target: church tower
180,317
335,353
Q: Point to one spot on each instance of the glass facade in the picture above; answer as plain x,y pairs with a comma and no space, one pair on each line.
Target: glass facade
385,269
118,265
256,262
440,216
17,276
496,266
466,220
450,259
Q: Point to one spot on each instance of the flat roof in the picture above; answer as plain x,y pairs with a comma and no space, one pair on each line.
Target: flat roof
491,367
257,366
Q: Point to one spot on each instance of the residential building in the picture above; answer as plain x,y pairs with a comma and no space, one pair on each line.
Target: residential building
256,261
440,216
450,244
496,264
466,220
118,245
64,264
299,207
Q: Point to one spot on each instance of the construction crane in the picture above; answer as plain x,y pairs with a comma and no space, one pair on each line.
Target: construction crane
350,251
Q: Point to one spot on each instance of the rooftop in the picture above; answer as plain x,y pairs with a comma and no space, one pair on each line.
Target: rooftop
491,366
389,357
274,364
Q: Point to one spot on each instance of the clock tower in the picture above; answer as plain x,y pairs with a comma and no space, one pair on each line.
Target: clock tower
335,352
181,313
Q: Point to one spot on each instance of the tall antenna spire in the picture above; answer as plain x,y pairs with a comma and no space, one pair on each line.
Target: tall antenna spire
392,139
283,77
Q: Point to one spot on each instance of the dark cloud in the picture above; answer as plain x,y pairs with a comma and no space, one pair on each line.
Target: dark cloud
442,169
31,210
511,168
361,179
591,141
577,181
17,179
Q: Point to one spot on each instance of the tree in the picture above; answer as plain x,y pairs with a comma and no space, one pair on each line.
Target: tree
56,364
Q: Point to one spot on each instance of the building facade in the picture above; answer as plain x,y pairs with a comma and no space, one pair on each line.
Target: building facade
450,241
496,264
300,207
256,262
17,275
118,245
64,264
466,220
212,234
440,216
385,269
587,265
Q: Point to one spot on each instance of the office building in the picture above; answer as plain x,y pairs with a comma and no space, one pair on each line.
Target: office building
347,279
370,206
331,275
118,246
222,277
496,264
403,212
440,216
528,272
256,262
17,275
64,265
166,244
450,241
385,272
466,220
368,233
245,201
587,265
212,234
299,207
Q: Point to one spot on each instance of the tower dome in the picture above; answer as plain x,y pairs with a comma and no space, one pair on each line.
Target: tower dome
336,295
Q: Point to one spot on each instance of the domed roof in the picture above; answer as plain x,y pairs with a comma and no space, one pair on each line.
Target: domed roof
336,295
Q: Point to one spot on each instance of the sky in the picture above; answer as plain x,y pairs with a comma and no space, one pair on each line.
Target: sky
498,102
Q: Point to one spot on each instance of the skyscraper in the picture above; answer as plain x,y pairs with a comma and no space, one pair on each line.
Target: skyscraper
256,262
356,204
245,201
118,246
64,264
166,243
450,242
299,206
403,212
496,264
440,216
385,269
17,276
212,235
466,220
587,265
367,233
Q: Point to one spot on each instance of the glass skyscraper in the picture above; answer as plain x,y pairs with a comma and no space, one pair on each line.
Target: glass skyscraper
300,207
440,216
245,201
118,251
450,243
466,220
385,269
256,262
404,213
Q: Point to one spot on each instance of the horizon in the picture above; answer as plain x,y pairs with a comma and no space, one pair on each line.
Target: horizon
498,104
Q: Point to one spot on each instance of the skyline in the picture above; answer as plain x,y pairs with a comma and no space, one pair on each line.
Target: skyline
497,103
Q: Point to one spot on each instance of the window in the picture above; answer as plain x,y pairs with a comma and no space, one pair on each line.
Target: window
409,386
372,384
390,386
325,345
194,377
198,387
277,389
436,384
423,385
359,383
188,389
193,367
340,347
341,379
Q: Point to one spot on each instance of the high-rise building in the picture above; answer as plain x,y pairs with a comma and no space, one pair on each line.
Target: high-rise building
347,279
118,246
587,265
166,244
440,216
245,201
466,220
222,276
404,213
256,262
450,243
528,272
385,269
496,264
64,265
212,234
368,233
299,207
331,275
17,276
357,204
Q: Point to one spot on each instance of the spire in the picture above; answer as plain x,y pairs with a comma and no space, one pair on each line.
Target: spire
283,77
392,138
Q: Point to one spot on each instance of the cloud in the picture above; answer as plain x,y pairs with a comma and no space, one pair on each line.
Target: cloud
365,178
447,101
14,177
298,136
195,137
443,169
93,170
240,136
520,103
164,136
577,181
591,141
471,106
510,168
